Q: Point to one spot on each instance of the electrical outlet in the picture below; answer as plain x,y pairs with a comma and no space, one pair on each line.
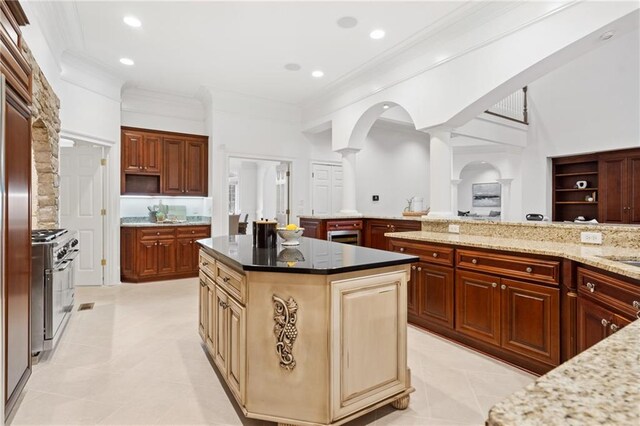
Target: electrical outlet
591,237
454,229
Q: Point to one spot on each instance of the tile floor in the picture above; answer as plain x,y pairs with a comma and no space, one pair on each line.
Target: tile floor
137,359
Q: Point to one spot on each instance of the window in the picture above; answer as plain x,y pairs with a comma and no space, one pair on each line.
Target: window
234,199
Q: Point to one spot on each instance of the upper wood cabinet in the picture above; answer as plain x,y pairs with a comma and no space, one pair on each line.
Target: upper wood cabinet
163,163
185,167
620,182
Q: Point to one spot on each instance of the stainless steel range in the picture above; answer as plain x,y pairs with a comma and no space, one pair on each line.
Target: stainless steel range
52,285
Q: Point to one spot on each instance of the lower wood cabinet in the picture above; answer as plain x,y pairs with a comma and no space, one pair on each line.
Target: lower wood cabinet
376,228
434,287
595,322
160,253
478,306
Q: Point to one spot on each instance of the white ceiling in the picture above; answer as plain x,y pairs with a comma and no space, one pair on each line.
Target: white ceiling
243,46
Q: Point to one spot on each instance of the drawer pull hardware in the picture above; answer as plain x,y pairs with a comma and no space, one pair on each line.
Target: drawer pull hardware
503,286
614,328
636,304
205,263
435,254
529,269
413,268
604,322
474,261
223,304
402,249
591,287
193,232
226,279
419,268
494,285
157,233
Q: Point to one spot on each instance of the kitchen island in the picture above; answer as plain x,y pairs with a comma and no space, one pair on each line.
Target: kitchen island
307,335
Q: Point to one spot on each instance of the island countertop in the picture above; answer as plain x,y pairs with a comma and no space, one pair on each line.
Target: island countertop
600,386
312,256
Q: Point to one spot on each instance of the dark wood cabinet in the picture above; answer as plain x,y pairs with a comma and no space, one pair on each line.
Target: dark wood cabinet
435,292
376,228
15,209
620,181
314,228
185,167
160,253
478,306
156,162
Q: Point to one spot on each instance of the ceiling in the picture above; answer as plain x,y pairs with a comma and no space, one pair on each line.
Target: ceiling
243,46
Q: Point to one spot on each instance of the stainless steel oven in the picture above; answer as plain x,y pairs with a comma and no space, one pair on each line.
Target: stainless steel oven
54,253
345,236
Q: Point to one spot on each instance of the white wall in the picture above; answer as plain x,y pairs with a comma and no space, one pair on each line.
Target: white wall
247,190
394,164
590,104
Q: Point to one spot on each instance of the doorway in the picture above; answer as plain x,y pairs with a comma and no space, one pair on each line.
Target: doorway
258,189
326,188
82,200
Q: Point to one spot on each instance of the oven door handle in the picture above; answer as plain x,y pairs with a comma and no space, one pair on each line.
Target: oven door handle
65,264
72,255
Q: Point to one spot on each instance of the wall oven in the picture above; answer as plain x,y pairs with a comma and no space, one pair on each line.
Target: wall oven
54,252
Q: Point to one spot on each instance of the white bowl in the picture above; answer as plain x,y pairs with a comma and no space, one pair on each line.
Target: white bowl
290,237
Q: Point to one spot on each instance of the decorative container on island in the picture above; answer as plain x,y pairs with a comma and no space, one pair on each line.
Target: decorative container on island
291,237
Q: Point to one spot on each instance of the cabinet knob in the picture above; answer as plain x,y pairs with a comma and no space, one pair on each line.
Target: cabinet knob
155,244
402,249
388,226
474,261
205,263
226,279
503,286
157,233
419,268
435,254
591,287
193,232
529,269
223,305
190,242
336,225
614,328
494,285
413,268
604,322
636,304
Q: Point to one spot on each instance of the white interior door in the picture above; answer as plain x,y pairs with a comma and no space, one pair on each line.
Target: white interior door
326,189
282,193
81,204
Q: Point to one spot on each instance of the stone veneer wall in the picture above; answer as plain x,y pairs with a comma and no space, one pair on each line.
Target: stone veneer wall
45,136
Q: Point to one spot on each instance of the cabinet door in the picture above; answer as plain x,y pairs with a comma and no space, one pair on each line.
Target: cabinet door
593,323
185,257
147,258
613,191
374,237
236,348
212,319
368,362
203,307
221,324
633,182
151,153
313,229
478,306
531,320
436,294
166,256
173,166
132,160
195,168
412,290
127,252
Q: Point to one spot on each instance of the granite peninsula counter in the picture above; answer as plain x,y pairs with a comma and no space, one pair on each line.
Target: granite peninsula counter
308,335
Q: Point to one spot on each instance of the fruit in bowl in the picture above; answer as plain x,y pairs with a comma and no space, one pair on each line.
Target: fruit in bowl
290,234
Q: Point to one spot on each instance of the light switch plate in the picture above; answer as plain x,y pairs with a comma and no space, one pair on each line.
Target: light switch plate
454,229
591,237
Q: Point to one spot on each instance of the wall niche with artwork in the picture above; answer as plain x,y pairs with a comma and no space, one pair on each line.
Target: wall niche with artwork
479,192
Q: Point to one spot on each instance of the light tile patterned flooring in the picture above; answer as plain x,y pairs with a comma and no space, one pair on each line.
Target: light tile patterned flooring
137,359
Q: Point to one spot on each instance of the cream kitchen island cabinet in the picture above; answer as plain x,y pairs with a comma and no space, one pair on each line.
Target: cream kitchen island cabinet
308,335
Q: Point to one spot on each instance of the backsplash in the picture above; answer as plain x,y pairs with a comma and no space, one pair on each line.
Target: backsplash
132,206
145,219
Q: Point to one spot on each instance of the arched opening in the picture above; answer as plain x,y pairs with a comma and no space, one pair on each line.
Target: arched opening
480,192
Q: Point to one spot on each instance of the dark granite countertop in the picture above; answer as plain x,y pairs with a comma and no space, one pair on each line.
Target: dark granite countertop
312,256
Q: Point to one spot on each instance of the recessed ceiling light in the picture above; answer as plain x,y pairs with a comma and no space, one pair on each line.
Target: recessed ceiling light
607,35
132,21
377,34
292,67
385,106
317,74
126,61
347,22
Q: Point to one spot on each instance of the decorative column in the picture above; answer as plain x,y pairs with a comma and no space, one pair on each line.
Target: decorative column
349,181
261,171
505,198
454,195
440,174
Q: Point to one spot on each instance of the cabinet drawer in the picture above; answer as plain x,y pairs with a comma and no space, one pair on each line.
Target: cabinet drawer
545,271
207,264
428,253
611,291
193,231
156,233
338,225
233,282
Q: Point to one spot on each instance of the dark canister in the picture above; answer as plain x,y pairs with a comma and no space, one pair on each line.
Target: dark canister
265,233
